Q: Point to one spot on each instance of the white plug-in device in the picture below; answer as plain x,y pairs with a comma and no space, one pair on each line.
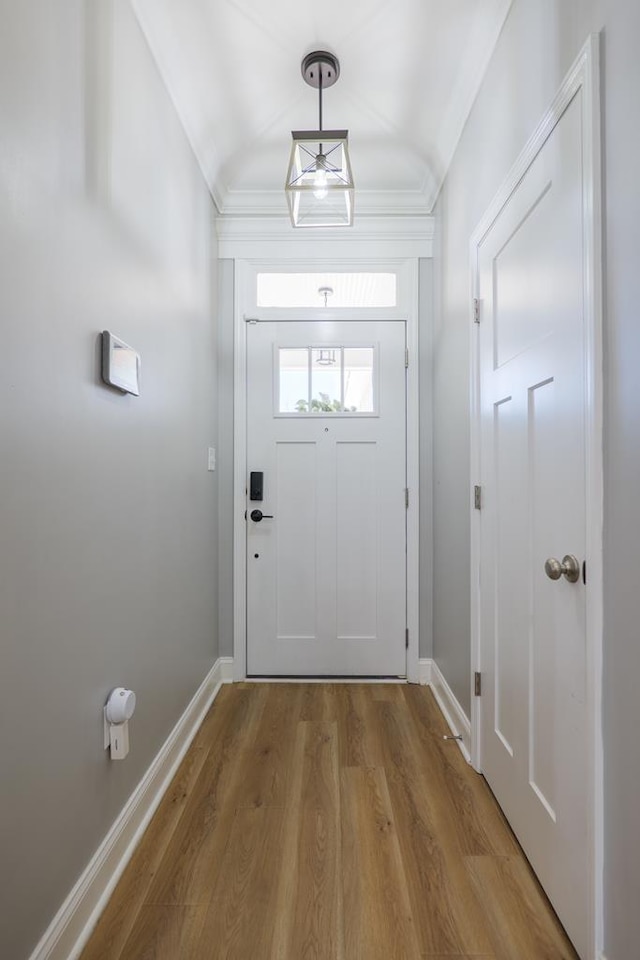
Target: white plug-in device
118,711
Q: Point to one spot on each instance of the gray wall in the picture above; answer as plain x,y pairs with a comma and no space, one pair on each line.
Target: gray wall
539,42
107,512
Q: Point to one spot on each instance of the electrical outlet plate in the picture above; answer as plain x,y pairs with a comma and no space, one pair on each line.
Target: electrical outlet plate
212,459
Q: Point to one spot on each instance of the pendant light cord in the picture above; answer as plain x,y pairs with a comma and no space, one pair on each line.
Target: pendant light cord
320,104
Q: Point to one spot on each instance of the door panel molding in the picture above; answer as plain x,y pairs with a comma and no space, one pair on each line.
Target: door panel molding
584,77
243,309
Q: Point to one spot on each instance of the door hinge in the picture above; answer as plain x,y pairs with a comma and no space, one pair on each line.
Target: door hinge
406,357
476,310
477,684
477,497
406,497
406,638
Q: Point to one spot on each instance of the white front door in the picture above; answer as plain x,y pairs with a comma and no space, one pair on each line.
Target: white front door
533,402
326,535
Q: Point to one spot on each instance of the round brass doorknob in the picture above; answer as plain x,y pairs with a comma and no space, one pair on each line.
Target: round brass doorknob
569,568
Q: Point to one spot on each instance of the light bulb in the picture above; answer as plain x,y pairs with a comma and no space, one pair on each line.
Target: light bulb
320,190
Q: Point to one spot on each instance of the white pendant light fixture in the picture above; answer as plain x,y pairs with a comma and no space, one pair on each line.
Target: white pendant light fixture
319,185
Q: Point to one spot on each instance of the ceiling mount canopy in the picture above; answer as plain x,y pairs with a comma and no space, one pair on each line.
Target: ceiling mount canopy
320,69
319,184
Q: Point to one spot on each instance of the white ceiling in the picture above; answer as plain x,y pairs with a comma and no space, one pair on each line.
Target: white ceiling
410,70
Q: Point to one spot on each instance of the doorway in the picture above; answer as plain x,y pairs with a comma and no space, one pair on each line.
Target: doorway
334,589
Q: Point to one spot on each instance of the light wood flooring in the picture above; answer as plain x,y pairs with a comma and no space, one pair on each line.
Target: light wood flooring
327,822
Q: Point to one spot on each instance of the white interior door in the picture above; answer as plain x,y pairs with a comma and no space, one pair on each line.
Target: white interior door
533,398
326,564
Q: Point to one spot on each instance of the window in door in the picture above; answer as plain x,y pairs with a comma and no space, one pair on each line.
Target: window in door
336,380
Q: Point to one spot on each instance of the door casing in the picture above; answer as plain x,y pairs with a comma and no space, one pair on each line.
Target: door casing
244,310
585,76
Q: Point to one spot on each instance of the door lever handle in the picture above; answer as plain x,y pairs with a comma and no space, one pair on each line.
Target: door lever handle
258,515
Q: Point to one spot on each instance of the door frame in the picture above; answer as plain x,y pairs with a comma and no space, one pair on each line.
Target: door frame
407,311
583,76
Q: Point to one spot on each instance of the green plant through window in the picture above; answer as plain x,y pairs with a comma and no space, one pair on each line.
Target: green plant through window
323,405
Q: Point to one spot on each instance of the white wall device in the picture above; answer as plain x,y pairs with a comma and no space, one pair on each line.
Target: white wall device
120,364
118,710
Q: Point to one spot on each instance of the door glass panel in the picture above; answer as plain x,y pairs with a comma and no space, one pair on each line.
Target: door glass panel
293,387
358,379
326,380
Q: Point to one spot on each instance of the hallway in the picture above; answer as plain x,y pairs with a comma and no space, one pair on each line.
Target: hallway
327,821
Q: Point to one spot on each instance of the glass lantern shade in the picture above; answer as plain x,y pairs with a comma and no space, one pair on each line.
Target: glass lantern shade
319,185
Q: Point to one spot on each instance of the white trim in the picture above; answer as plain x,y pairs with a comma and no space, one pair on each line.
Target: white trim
595,470
430,675
370,204
239,475
226,669
262,238
580,76
584,75
413,474
425,666
453,713
331,680
245,269
402,268
71,927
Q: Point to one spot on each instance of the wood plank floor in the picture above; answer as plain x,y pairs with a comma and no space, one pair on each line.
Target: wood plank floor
327,822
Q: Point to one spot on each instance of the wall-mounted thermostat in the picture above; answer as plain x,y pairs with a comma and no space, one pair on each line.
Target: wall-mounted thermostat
120,364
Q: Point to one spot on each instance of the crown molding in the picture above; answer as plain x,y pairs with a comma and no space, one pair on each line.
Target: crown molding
369,203
245,237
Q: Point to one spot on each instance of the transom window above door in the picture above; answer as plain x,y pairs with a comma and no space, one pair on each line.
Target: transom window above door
335,380
318,290
330,290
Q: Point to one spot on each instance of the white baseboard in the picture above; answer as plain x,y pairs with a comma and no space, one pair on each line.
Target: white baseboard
332,680
71,927
226,669
425,665
453,713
